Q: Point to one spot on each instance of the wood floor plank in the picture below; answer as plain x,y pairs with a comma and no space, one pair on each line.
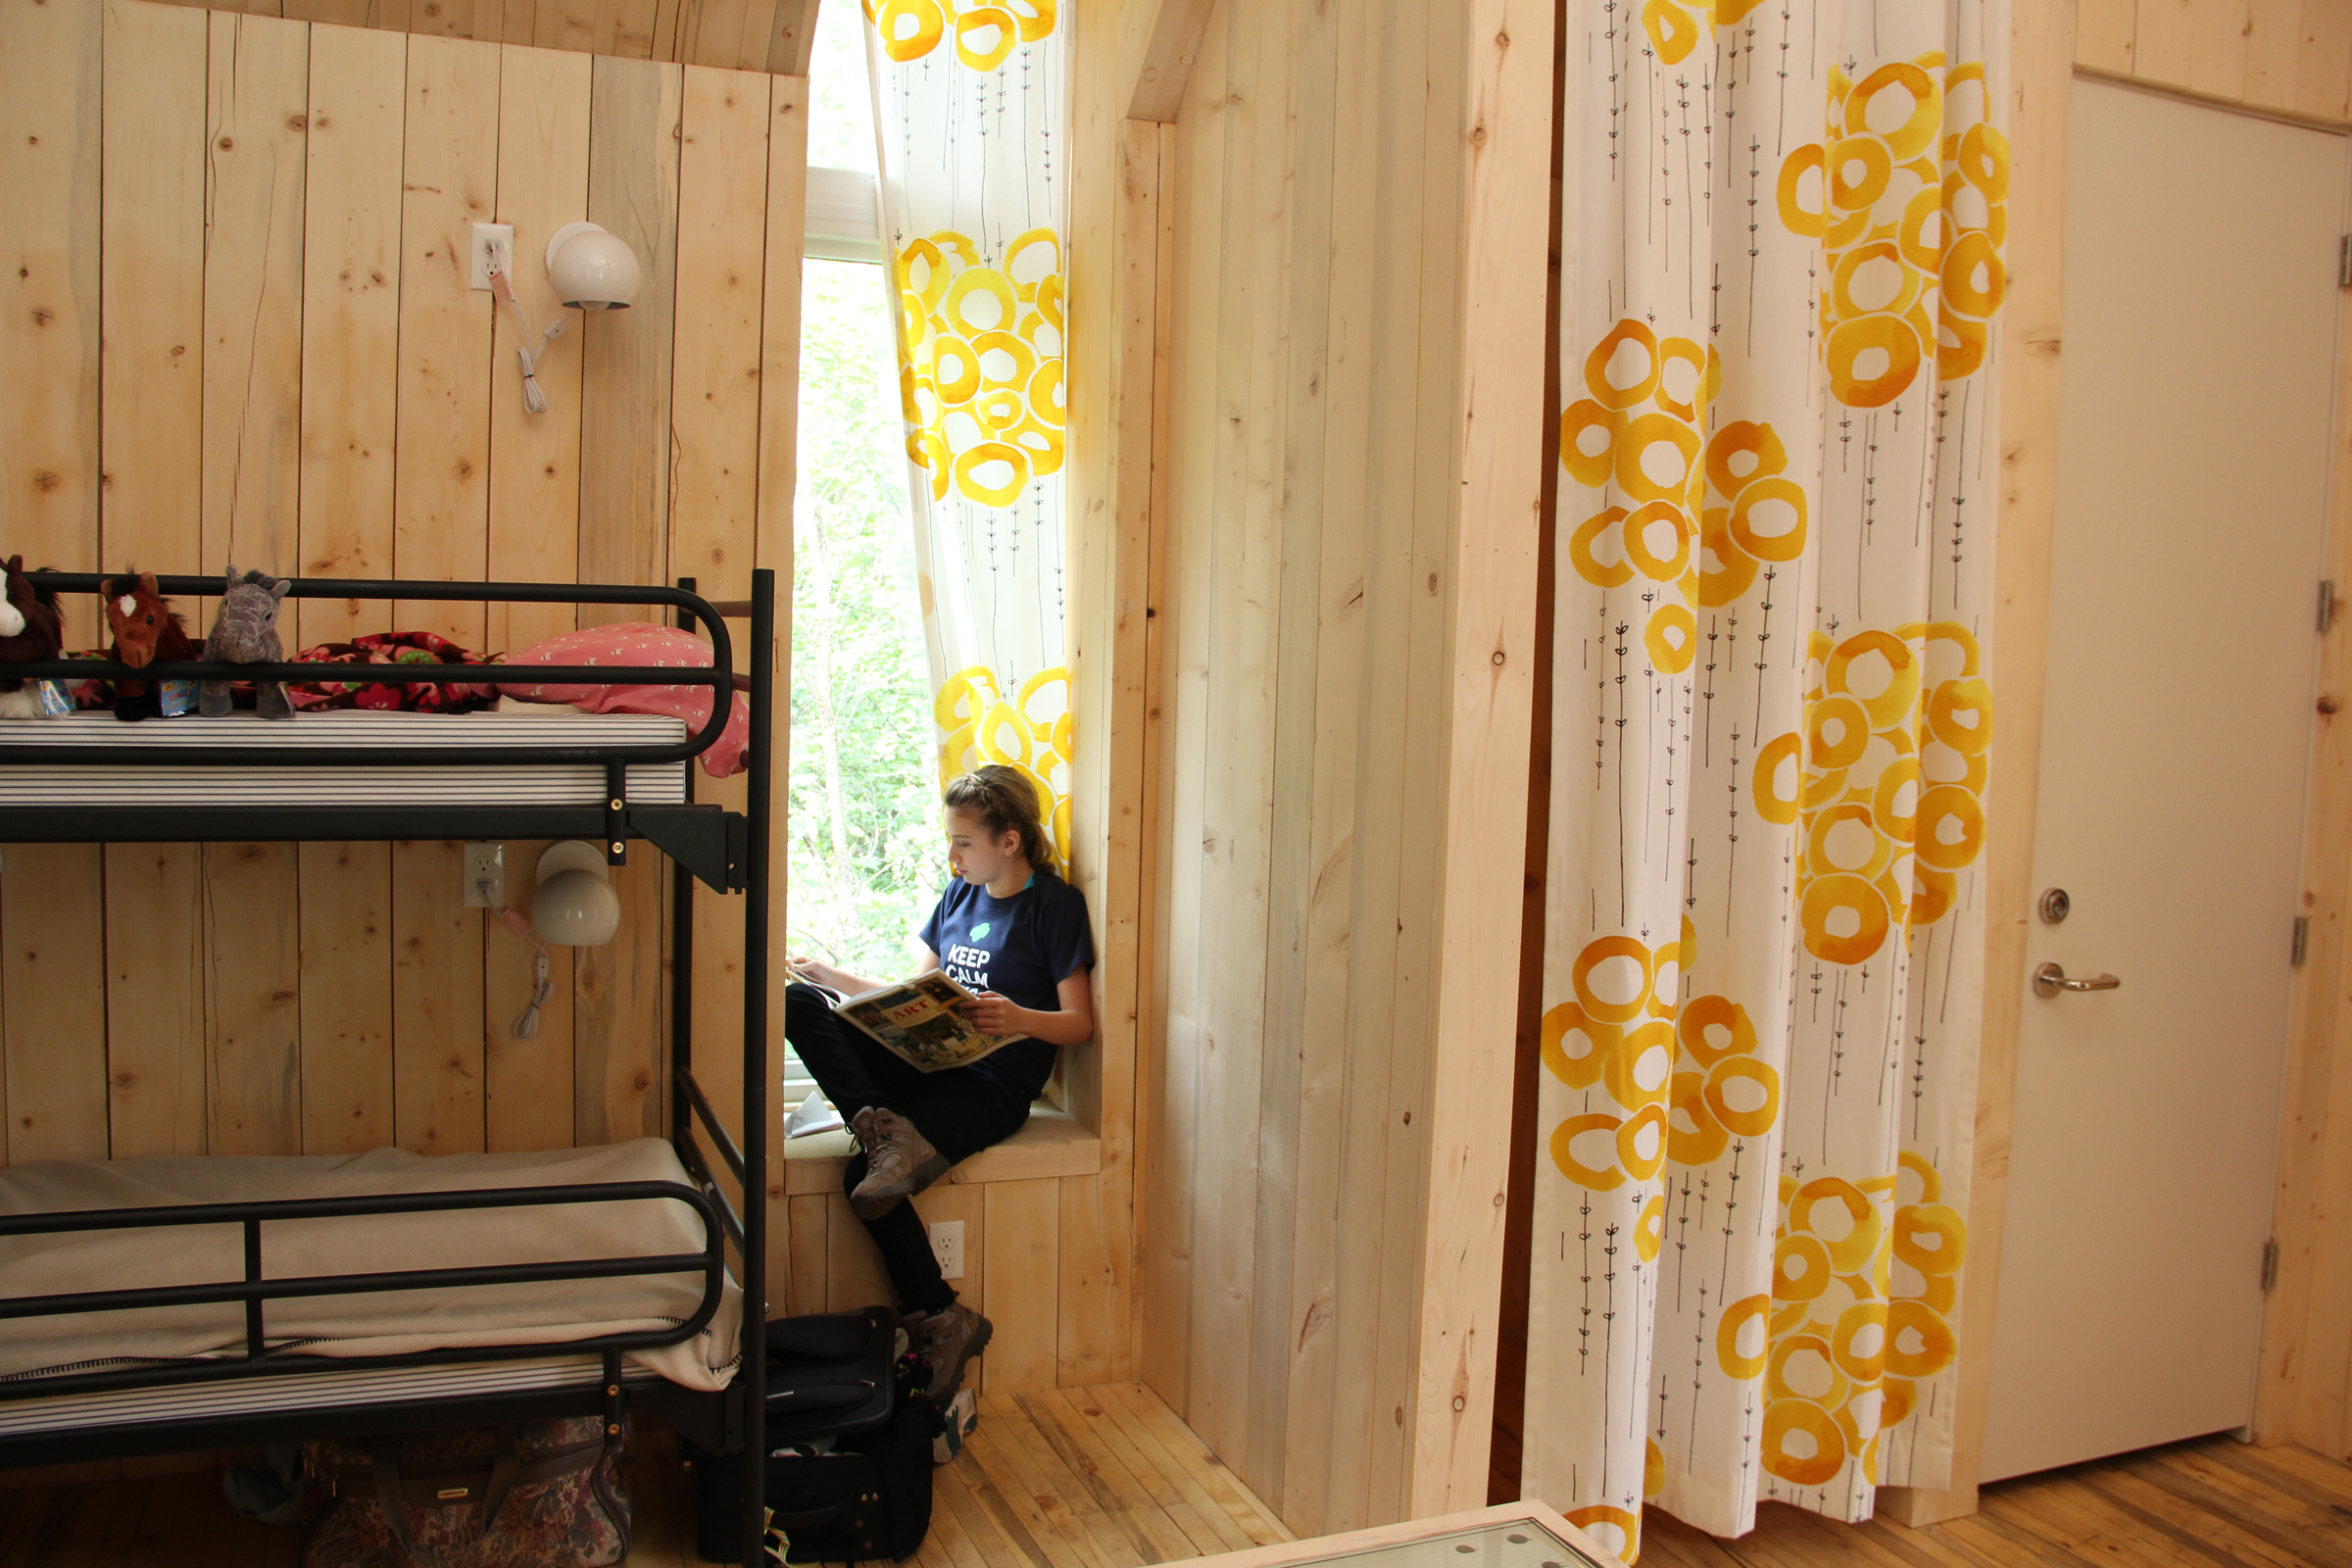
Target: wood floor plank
1211,1473
1164,1494
2297,1472
1232,1534
1036,1501
2192,1507
984,1500
2240,1541
2314,1469
1086,1448
2001,1542
2099,1529
2273,1495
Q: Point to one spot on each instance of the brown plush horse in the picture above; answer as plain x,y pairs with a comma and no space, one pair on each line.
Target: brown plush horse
146,630
30,629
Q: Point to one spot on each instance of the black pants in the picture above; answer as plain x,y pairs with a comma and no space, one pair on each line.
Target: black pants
961,1111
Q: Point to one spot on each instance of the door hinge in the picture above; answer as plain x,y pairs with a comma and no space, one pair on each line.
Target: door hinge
2301,943
2269,1266
2327,603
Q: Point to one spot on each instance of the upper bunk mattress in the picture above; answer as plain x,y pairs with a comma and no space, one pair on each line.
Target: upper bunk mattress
376,1323
503,784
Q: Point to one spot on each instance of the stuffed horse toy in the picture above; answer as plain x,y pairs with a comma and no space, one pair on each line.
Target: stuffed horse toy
147,630
245,632
30,628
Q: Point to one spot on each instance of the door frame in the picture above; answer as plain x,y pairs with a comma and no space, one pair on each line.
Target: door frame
2303,1391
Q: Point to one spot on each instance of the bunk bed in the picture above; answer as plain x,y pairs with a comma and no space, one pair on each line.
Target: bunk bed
609,779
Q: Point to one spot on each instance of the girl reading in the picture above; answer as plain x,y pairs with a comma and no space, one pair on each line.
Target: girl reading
1012,931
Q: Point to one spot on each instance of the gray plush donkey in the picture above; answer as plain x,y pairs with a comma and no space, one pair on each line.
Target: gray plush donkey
245,632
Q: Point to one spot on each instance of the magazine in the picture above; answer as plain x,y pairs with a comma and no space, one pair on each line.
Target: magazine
917,1021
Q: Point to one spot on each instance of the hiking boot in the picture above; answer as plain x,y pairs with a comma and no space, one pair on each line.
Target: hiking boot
946,1339
900,1162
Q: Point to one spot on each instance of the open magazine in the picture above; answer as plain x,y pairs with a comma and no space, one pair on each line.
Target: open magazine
917,1021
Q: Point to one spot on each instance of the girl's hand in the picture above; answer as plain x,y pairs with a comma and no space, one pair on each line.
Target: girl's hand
993,1014
823,974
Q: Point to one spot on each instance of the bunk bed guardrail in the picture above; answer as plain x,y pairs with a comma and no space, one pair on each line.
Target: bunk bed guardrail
718,674
255,1288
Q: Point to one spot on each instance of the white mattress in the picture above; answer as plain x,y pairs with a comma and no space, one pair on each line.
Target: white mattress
299,1391
560,784
546,1312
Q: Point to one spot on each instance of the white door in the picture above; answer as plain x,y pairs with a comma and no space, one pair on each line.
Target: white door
2199,380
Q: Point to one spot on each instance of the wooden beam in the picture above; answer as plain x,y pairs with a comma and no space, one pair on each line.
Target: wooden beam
1171,47
1507,145
793,37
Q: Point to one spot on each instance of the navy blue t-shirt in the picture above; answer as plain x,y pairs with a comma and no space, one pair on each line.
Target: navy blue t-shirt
1022,948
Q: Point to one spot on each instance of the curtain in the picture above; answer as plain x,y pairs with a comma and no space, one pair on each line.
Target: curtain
971,102
1781,261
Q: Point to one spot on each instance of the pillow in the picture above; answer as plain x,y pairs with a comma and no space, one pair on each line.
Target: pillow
640,643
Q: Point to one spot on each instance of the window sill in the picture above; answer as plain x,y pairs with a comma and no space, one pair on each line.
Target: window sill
1051,1143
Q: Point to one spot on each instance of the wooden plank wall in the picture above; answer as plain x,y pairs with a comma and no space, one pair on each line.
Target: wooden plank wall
767,35
2285,57
1321,1216
234,273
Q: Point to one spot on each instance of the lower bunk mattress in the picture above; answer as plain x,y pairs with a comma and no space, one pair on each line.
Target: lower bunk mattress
375,1323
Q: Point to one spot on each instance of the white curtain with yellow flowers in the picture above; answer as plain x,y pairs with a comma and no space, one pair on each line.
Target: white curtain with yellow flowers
1783,231
971,113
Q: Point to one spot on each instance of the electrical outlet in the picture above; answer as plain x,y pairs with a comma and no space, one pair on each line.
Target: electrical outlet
492,252
947,1245
485,876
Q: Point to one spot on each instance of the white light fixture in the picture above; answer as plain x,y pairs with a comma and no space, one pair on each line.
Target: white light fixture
576,906
592,268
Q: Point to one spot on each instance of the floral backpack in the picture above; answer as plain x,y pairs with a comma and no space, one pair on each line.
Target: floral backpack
543,1495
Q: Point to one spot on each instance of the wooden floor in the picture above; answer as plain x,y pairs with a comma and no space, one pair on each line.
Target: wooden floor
2211,1503
1092,1478
1109,1478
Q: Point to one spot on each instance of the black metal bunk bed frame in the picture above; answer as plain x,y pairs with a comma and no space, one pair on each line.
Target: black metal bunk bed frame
725,850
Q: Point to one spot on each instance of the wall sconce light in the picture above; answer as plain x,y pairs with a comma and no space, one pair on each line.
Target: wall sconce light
576,906
591,269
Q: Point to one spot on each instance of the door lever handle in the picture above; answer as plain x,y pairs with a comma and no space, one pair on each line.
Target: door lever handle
2049,980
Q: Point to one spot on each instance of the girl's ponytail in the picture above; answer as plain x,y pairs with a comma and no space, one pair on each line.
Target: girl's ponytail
1005,801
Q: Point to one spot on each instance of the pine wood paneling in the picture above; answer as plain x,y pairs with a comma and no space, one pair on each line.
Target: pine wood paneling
349,319
437,1016
155,951
534,502
2291,58
633,133
1020,1275
152,299
764,35
347,1017
253,1025
49,186
1350,573
441,448
256,116
55,1025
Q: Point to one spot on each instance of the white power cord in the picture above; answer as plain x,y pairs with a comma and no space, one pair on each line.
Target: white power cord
526,1025
535,400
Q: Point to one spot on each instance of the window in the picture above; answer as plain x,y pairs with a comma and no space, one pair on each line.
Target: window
866,857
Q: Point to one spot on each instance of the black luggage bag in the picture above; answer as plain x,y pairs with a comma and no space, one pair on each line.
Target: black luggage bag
835,1383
